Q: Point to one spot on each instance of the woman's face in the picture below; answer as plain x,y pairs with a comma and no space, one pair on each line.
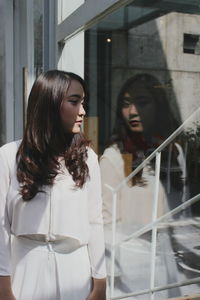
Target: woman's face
131,115
139,110
71,110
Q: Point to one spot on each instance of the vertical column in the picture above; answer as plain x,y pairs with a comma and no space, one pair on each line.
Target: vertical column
49,27
23,46
30,43
8,73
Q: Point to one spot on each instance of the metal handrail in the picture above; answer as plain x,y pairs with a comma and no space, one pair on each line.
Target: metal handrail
153,225
150,226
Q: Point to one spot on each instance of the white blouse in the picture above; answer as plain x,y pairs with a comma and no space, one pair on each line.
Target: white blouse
61,211
134,204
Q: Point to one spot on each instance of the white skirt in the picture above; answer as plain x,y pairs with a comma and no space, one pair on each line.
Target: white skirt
46,271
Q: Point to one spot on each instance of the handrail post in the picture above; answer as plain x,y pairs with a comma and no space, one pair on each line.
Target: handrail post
114,210
169,168
154,217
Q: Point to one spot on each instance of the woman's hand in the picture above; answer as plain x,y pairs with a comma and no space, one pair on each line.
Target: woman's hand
95,296
5,288
99,290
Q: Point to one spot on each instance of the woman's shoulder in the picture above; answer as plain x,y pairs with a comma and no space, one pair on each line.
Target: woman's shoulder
11,146
112,153
112,157
9,150
92,156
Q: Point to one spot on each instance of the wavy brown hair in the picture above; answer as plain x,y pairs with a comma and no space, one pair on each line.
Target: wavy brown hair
45,140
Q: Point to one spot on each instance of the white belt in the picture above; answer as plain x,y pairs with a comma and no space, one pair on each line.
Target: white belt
67,245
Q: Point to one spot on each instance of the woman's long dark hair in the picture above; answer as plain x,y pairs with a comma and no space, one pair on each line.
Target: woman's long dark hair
164,116
45,139
140,145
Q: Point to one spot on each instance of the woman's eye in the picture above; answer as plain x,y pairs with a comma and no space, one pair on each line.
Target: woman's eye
74,101
125,104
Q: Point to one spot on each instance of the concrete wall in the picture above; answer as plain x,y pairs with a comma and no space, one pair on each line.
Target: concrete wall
156,47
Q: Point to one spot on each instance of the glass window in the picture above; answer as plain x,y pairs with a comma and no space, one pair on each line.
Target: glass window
144,83
191,44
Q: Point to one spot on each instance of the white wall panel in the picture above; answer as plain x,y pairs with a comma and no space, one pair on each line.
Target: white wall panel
72,56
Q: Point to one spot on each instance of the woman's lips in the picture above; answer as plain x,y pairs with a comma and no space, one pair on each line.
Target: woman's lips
79,122
134,123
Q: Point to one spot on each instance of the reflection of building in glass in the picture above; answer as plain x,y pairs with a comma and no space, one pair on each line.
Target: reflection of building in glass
155,47
150,49
143,40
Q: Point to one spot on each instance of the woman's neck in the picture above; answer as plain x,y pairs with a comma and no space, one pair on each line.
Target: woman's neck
134,142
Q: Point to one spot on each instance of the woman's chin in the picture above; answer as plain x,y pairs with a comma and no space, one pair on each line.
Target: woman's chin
138,128
76,129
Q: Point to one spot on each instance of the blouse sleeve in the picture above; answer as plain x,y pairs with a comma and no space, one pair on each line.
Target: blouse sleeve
96,245
5,268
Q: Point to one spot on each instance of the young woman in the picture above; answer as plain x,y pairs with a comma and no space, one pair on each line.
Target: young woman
143,120
51,234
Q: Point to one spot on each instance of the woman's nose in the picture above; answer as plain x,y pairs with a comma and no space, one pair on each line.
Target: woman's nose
132,109
82,110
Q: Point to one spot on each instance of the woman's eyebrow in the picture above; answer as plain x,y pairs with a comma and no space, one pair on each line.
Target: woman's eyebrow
76,95
127,99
